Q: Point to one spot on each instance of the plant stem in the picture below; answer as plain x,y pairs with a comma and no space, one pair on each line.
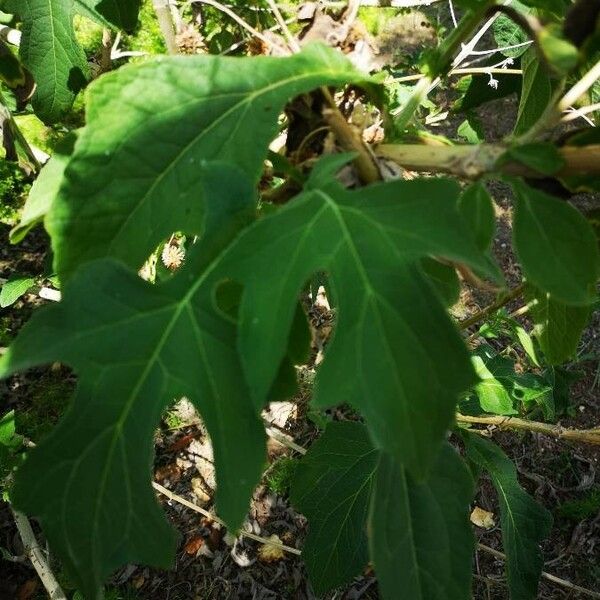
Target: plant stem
580,88
165,22
503,300
348,138
37,558
584,436
473,161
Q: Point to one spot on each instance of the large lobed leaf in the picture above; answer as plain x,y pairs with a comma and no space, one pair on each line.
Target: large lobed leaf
421,540
133,177
136,348
51,53
359,501
332,487
395,356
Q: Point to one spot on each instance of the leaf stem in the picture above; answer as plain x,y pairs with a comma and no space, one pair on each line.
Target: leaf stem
503,300
584,436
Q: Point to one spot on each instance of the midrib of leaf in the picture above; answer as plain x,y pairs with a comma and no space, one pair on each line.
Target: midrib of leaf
509,512
542,233
118,426
413,547
371,292
354,497
374,299
246,103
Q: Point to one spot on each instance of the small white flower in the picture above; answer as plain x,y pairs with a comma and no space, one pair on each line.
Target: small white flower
493,83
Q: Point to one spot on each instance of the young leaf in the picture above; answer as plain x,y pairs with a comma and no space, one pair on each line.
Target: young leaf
134,175
14,288
542,157
556,246
395,356
477,209
51,53
420,537
44,189
536,91
507,33
558,326
493,396
332,487
524,522
122,14
136,348
444,278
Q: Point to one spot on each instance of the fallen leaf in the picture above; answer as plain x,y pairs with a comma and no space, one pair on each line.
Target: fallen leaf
181,443
27,590
269,552
171,473
482,518
193,545
198,487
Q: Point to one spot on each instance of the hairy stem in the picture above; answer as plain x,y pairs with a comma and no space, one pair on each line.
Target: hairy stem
165,21
473,161
584,436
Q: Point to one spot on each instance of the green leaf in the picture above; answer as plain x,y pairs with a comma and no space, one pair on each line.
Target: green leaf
555,245
558,326
557,7
471,130
420,536
136,348
524,522
44,189
149,128
16,286
493,396
370,242
560,54
476,90
332,487
536,93
541,157
10,444
502,389
122,14
51,53
444,278
507,33
477,209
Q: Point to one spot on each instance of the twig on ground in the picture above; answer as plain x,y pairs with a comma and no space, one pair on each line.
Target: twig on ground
584,436
257,538
37,558
553,578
